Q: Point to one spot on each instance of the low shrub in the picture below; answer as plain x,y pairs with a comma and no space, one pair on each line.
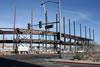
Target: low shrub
77,56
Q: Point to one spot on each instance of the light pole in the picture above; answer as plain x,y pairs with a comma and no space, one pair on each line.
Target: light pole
43,4
45,11
60,27
59,19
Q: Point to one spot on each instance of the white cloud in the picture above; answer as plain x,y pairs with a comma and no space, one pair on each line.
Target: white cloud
77,16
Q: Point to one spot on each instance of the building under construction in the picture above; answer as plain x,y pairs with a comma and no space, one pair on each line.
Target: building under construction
67,40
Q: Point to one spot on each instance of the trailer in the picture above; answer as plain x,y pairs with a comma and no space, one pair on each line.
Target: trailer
23,49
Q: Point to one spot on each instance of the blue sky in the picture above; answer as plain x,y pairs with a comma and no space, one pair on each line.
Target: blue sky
85,12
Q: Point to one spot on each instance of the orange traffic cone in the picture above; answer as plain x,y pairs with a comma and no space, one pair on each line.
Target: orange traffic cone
55,52
4,53
32,52
19,53
73,52
39,52
49,52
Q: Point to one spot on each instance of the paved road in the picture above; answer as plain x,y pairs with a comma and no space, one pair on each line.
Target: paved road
35,61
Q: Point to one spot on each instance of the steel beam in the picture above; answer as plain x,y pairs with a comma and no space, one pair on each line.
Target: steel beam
39,32
37,41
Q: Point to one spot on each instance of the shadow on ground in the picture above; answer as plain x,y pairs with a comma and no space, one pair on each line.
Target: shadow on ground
13,63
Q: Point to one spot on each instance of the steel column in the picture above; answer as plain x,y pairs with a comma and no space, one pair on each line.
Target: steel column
31,29
89,33
46,21
3,41
14,27
85,32
74,35
56,23
55,37
64,32
69,35
39,41
80,31
93,35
